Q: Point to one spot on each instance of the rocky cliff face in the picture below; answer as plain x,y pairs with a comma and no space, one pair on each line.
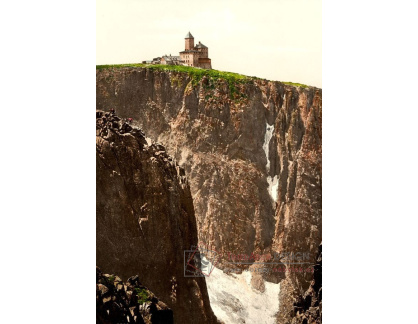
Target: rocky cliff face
251,149
145,218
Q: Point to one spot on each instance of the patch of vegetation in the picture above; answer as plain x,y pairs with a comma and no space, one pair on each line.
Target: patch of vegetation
111,278
142,295
176,80
296,84
109,66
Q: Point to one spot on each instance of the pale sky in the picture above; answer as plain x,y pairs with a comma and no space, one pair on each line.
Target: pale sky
273,39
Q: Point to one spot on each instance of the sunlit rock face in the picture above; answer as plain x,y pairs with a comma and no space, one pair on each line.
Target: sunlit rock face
251,150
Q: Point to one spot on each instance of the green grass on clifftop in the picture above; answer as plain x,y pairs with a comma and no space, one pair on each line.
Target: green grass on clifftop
196,73
296,84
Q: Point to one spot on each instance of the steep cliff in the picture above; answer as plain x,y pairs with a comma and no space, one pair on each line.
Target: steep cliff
251,149
145,218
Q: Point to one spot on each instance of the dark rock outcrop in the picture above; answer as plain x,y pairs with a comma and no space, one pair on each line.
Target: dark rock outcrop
252,153
128,302
308,307
145,217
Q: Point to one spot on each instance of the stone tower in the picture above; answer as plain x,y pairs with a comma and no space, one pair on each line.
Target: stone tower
189,41
197,56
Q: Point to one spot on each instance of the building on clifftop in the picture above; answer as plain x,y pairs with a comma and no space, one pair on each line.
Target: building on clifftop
171,60
197,56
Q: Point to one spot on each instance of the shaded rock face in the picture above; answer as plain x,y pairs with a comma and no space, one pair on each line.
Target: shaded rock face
252,154
128,302
145,218
308,307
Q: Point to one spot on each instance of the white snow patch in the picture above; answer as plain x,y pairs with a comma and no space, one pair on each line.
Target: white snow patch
233,300
272,182
267,138
273,186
